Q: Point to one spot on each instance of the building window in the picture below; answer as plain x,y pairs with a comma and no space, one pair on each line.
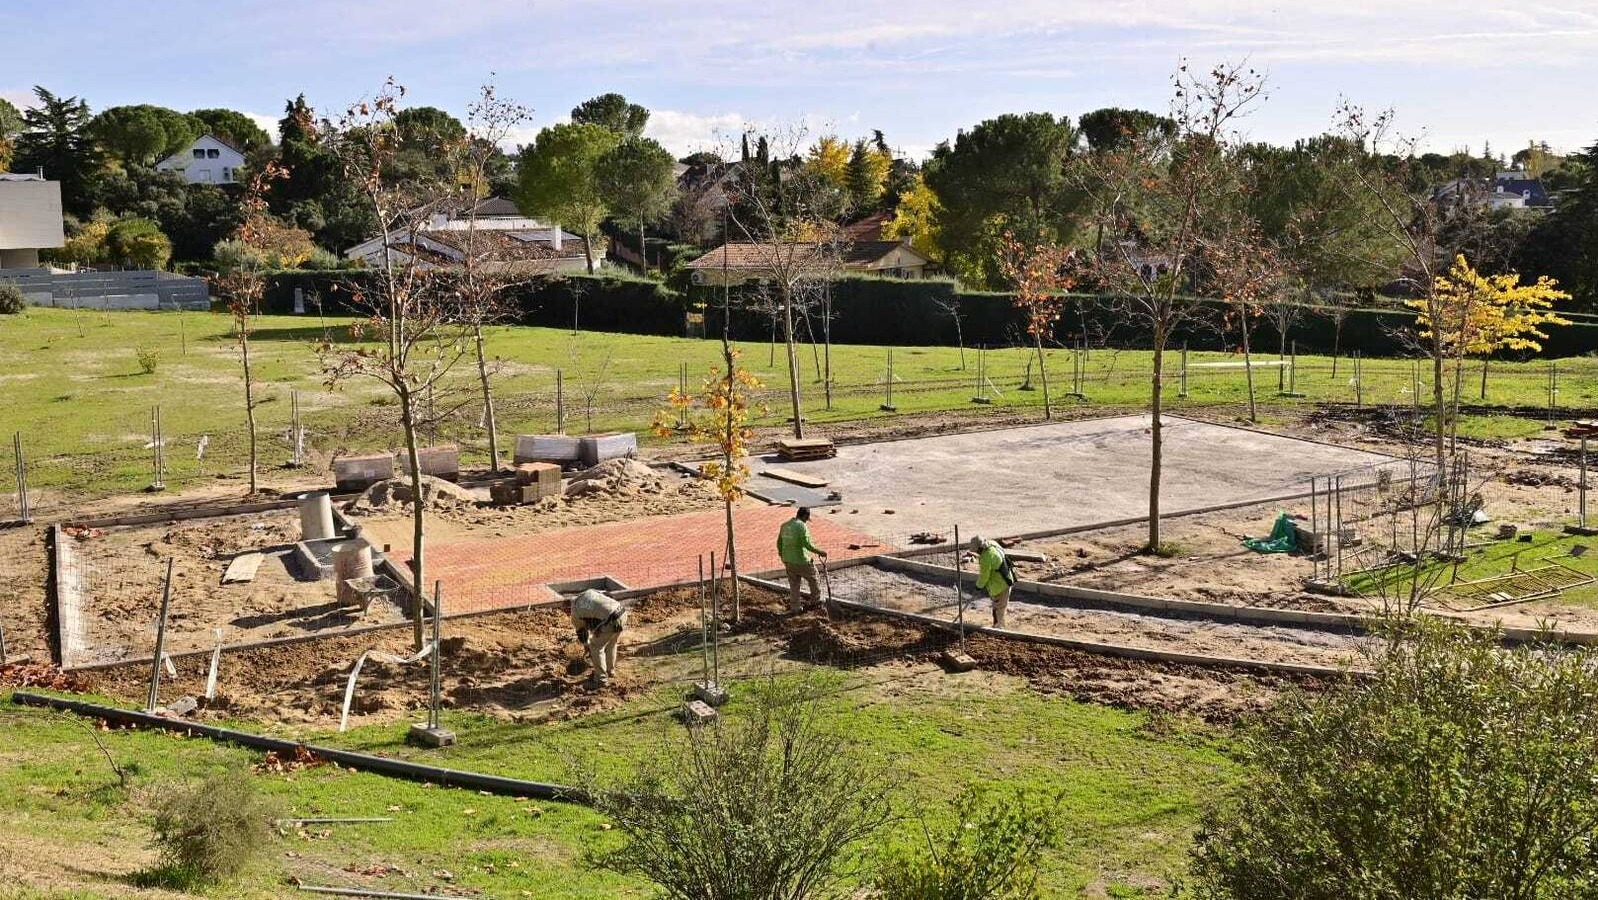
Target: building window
199,154
213,154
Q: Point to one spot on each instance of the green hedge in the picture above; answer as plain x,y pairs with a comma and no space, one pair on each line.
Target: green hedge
601,303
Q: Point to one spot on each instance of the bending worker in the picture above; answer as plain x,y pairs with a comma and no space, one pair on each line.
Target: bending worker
794,546
599,621
995,574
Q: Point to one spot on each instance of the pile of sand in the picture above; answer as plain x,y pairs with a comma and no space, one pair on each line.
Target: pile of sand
396,493
616,477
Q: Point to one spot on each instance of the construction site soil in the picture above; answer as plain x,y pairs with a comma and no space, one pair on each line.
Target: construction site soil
524,665
1028,613
123,571
527,667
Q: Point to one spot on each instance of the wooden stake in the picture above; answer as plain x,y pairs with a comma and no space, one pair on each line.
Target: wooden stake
160,640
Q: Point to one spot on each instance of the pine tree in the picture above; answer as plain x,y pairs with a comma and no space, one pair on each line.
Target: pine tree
55,138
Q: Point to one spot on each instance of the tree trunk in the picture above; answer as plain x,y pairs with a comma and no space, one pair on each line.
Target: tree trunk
1156,436
418,515
1484,361
1248,371
489,421
643,250
1439,405
588,252
1337,342
249,403
793,363
959,337
1043,375
1281,370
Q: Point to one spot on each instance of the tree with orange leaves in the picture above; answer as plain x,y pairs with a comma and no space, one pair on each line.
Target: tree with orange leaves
1038,272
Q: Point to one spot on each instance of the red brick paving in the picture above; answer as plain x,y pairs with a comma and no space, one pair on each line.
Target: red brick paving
496,573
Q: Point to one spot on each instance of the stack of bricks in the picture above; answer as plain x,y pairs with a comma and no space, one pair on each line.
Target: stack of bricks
533,482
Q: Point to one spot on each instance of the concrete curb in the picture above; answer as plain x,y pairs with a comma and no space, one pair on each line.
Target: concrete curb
364,762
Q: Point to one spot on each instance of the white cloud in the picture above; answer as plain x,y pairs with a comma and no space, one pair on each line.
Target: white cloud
685,132
268,124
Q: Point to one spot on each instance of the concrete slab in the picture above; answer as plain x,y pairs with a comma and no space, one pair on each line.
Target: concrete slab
1044,477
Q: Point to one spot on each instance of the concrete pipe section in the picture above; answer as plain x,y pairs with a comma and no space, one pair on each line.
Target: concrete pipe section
351,560
316,516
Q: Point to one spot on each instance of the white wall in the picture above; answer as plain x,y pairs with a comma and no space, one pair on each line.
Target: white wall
30,218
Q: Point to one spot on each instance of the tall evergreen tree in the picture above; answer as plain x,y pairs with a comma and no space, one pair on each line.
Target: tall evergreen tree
56,138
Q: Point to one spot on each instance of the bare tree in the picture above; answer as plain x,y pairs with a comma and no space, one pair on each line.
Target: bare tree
787,217
243,284
1410,221
415,332
484,274
591,376
951,308
1158,201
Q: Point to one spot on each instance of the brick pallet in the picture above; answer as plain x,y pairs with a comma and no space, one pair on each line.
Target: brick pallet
804,449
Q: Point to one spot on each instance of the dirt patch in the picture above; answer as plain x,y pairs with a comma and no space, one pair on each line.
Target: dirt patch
854,640
525,666
399,494
24,568
124,569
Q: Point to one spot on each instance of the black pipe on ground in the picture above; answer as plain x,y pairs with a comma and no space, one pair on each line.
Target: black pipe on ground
362,762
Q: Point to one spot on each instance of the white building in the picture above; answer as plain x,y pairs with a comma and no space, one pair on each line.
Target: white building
30,219
506,239
209,160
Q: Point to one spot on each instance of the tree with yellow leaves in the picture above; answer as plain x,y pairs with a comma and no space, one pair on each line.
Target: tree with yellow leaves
829,158
719,414
1471,314
916,218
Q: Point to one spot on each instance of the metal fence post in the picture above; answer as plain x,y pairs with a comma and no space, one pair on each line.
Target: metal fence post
160,640
560,402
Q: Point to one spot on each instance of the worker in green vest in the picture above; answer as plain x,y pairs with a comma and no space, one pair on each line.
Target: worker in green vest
794,547
995,574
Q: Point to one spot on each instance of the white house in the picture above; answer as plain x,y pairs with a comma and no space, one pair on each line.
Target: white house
209,160
30,219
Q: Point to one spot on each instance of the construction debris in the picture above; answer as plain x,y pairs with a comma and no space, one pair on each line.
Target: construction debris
804,449
242,569
793,477
398,492
927,537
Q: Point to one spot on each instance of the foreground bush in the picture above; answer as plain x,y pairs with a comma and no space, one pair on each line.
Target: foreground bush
766,805
11,301
1460,770
211,830
989,851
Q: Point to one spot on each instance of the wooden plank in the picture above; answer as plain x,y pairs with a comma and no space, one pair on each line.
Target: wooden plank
242,569
792,477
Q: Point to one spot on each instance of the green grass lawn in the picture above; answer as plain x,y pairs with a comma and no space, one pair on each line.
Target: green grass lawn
1132,788
71,382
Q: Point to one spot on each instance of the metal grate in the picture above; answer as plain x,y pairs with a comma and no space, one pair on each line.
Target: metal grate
1516,587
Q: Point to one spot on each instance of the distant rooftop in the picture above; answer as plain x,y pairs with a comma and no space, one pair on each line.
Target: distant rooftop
20,176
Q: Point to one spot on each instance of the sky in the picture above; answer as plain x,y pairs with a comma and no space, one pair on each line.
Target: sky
1457,72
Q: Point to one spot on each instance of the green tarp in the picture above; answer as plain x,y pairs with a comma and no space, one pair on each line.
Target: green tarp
1283,539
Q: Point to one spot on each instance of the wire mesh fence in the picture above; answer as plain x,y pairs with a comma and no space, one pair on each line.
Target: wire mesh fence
204,439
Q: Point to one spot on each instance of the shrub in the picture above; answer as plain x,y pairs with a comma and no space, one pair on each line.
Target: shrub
148,358
1458,770
211,830
767,804
990,850
138,243
11,301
